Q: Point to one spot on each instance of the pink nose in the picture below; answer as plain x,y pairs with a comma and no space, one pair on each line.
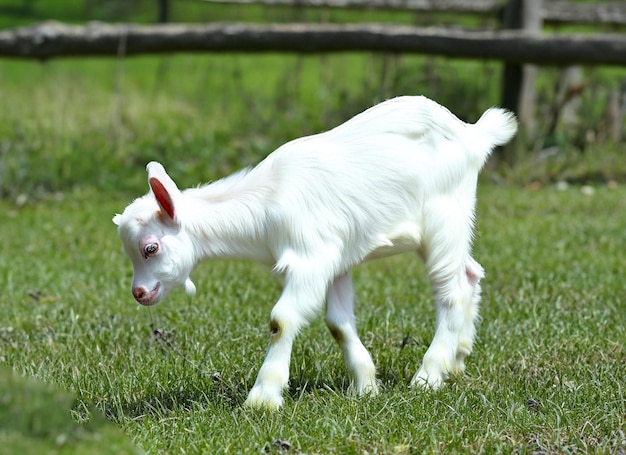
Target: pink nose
146,296
139,293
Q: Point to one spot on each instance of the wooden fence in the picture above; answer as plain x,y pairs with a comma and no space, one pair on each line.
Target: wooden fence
552,11
519,42
54,39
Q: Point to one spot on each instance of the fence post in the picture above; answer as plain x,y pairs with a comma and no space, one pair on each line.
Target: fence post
518,84
164,11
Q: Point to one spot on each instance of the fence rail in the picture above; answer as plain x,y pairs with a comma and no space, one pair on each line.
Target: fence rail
54,39
451,6
553,12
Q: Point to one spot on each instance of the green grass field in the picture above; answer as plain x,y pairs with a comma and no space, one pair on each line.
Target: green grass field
84,369
547,373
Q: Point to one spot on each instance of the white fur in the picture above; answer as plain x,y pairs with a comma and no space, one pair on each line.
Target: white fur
398,177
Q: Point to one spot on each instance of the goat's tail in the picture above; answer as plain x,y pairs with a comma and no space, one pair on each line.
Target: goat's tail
495,127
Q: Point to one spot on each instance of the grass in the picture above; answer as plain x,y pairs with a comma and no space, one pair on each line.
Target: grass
547,373
35,417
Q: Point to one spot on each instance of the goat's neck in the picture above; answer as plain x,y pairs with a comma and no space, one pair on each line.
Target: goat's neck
228,224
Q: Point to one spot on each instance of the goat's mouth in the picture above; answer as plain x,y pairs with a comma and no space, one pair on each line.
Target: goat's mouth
145,297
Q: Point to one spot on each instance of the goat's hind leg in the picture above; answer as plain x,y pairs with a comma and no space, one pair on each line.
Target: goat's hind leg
474,273
457,296
341,323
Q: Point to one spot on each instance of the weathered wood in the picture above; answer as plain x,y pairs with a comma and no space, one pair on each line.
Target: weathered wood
164,11
518,87
53,39
566,100
601,13
452,6
552,11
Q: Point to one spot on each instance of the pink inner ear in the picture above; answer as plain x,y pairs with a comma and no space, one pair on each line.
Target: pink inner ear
162,196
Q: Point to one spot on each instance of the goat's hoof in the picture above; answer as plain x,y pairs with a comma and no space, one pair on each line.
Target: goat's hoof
262,398
426,380
371,389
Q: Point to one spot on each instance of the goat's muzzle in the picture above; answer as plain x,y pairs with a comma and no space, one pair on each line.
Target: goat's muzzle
145,297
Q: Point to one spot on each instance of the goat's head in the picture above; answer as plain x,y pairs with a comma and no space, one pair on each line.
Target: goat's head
150,229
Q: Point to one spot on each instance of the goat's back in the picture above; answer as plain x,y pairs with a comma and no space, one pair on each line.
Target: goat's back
408,135
418,126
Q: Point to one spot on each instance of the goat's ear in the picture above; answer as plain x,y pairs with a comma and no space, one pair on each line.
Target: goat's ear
163,188
117,219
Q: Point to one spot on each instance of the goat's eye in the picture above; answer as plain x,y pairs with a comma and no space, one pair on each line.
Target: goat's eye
150,249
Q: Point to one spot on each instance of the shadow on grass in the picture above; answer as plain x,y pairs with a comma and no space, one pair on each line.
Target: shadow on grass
218,394
169,401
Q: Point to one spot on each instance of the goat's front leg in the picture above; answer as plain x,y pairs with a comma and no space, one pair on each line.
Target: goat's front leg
302,298
341,323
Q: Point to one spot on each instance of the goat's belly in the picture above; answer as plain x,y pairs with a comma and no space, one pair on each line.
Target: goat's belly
402,238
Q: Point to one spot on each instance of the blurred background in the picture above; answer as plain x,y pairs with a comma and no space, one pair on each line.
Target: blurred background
72,121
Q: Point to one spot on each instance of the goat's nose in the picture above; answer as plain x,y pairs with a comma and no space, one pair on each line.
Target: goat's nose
139,292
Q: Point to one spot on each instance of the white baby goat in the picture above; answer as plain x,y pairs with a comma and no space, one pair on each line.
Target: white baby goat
399,177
